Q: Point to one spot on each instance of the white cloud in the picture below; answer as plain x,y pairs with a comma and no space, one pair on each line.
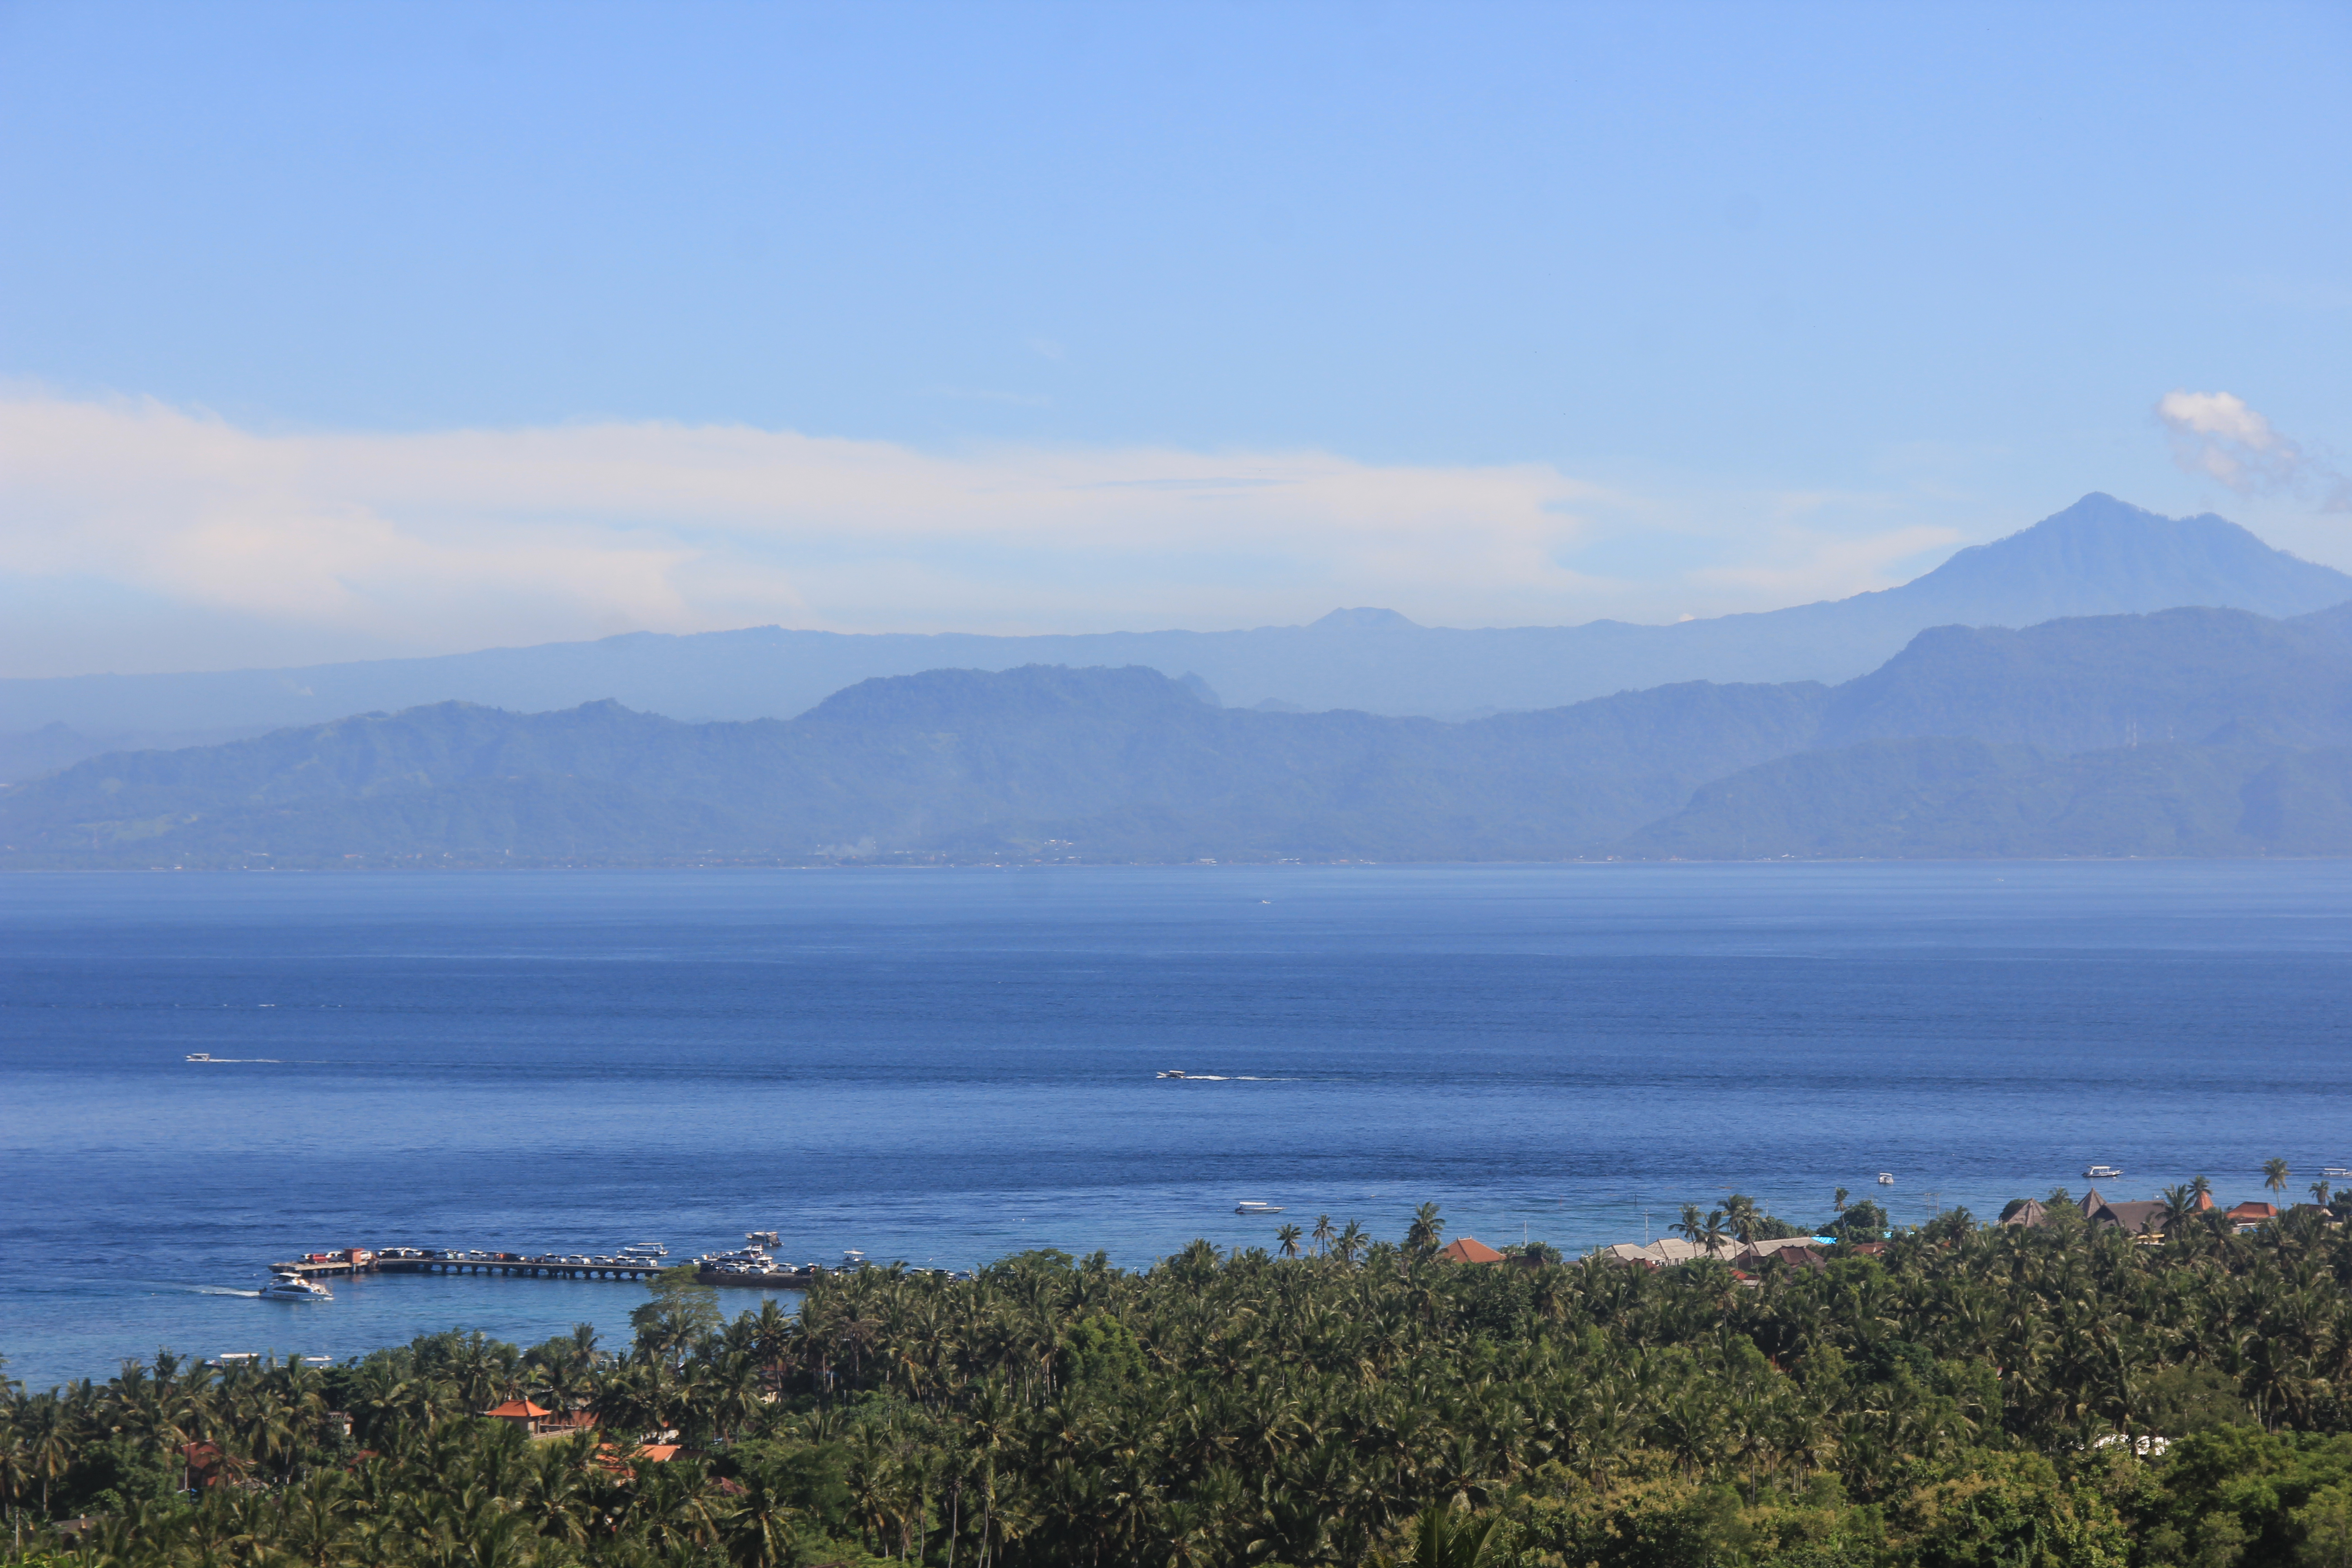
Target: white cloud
443,541
2215,435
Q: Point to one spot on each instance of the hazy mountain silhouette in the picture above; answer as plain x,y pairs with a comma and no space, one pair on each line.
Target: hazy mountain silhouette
1116,764
1972,742
2098,556
2111,680
2184,732
1959,798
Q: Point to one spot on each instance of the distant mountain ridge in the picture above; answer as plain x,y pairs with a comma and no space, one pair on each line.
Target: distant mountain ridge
2099,556
1943,798
2186,731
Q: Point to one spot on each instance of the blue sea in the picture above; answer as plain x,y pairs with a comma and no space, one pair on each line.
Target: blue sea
947,1065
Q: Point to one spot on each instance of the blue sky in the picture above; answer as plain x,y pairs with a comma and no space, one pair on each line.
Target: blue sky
1497,313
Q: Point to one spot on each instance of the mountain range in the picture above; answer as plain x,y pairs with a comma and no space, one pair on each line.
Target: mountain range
2203,731
2097,557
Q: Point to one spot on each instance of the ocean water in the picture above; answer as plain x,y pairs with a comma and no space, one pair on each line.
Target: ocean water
947,1065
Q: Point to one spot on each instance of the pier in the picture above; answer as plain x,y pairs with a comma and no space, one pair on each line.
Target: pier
400,1260
358,1260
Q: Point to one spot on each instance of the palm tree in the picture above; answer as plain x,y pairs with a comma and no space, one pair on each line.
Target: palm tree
1422,1237
1350,1242
1322,1233
1839,1200
1706,1231
554,1494
314,1521
759,1525
2275,1175
44,1426
2179,1208
1288,1235
2319,1193
1439,1541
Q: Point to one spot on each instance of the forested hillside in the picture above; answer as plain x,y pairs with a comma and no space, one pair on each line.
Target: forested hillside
2183,733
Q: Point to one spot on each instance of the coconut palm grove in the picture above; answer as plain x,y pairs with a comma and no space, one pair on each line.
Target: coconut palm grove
1954,1394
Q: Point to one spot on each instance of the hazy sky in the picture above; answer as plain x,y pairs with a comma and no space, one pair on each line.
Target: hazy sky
334,330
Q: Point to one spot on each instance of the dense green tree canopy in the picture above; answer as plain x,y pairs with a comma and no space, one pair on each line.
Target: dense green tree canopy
1967,1396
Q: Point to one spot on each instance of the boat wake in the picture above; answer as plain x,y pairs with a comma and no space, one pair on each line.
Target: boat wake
217,1290
1222,1078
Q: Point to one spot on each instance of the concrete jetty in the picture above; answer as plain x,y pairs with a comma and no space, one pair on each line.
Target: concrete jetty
357,1260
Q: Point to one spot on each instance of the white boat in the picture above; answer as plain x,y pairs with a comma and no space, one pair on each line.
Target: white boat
637,1249
1248,1206
289,1285
2103,1173
2333,1172
1171,1072
200,1056
1885,1178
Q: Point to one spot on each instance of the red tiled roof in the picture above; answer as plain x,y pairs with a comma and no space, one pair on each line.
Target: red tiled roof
518,1410
1469,1250
616,1460
207,1465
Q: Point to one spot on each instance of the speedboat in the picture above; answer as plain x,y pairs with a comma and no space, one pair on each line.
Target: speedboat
644,1250
1249,1206
2103,1173
1885,1178
1171,1072
200,1056
288,1286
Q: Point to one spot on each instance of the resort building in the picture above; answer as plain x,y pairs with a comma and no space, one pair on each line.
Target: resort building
1664,1253
539,1422
2141,1217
